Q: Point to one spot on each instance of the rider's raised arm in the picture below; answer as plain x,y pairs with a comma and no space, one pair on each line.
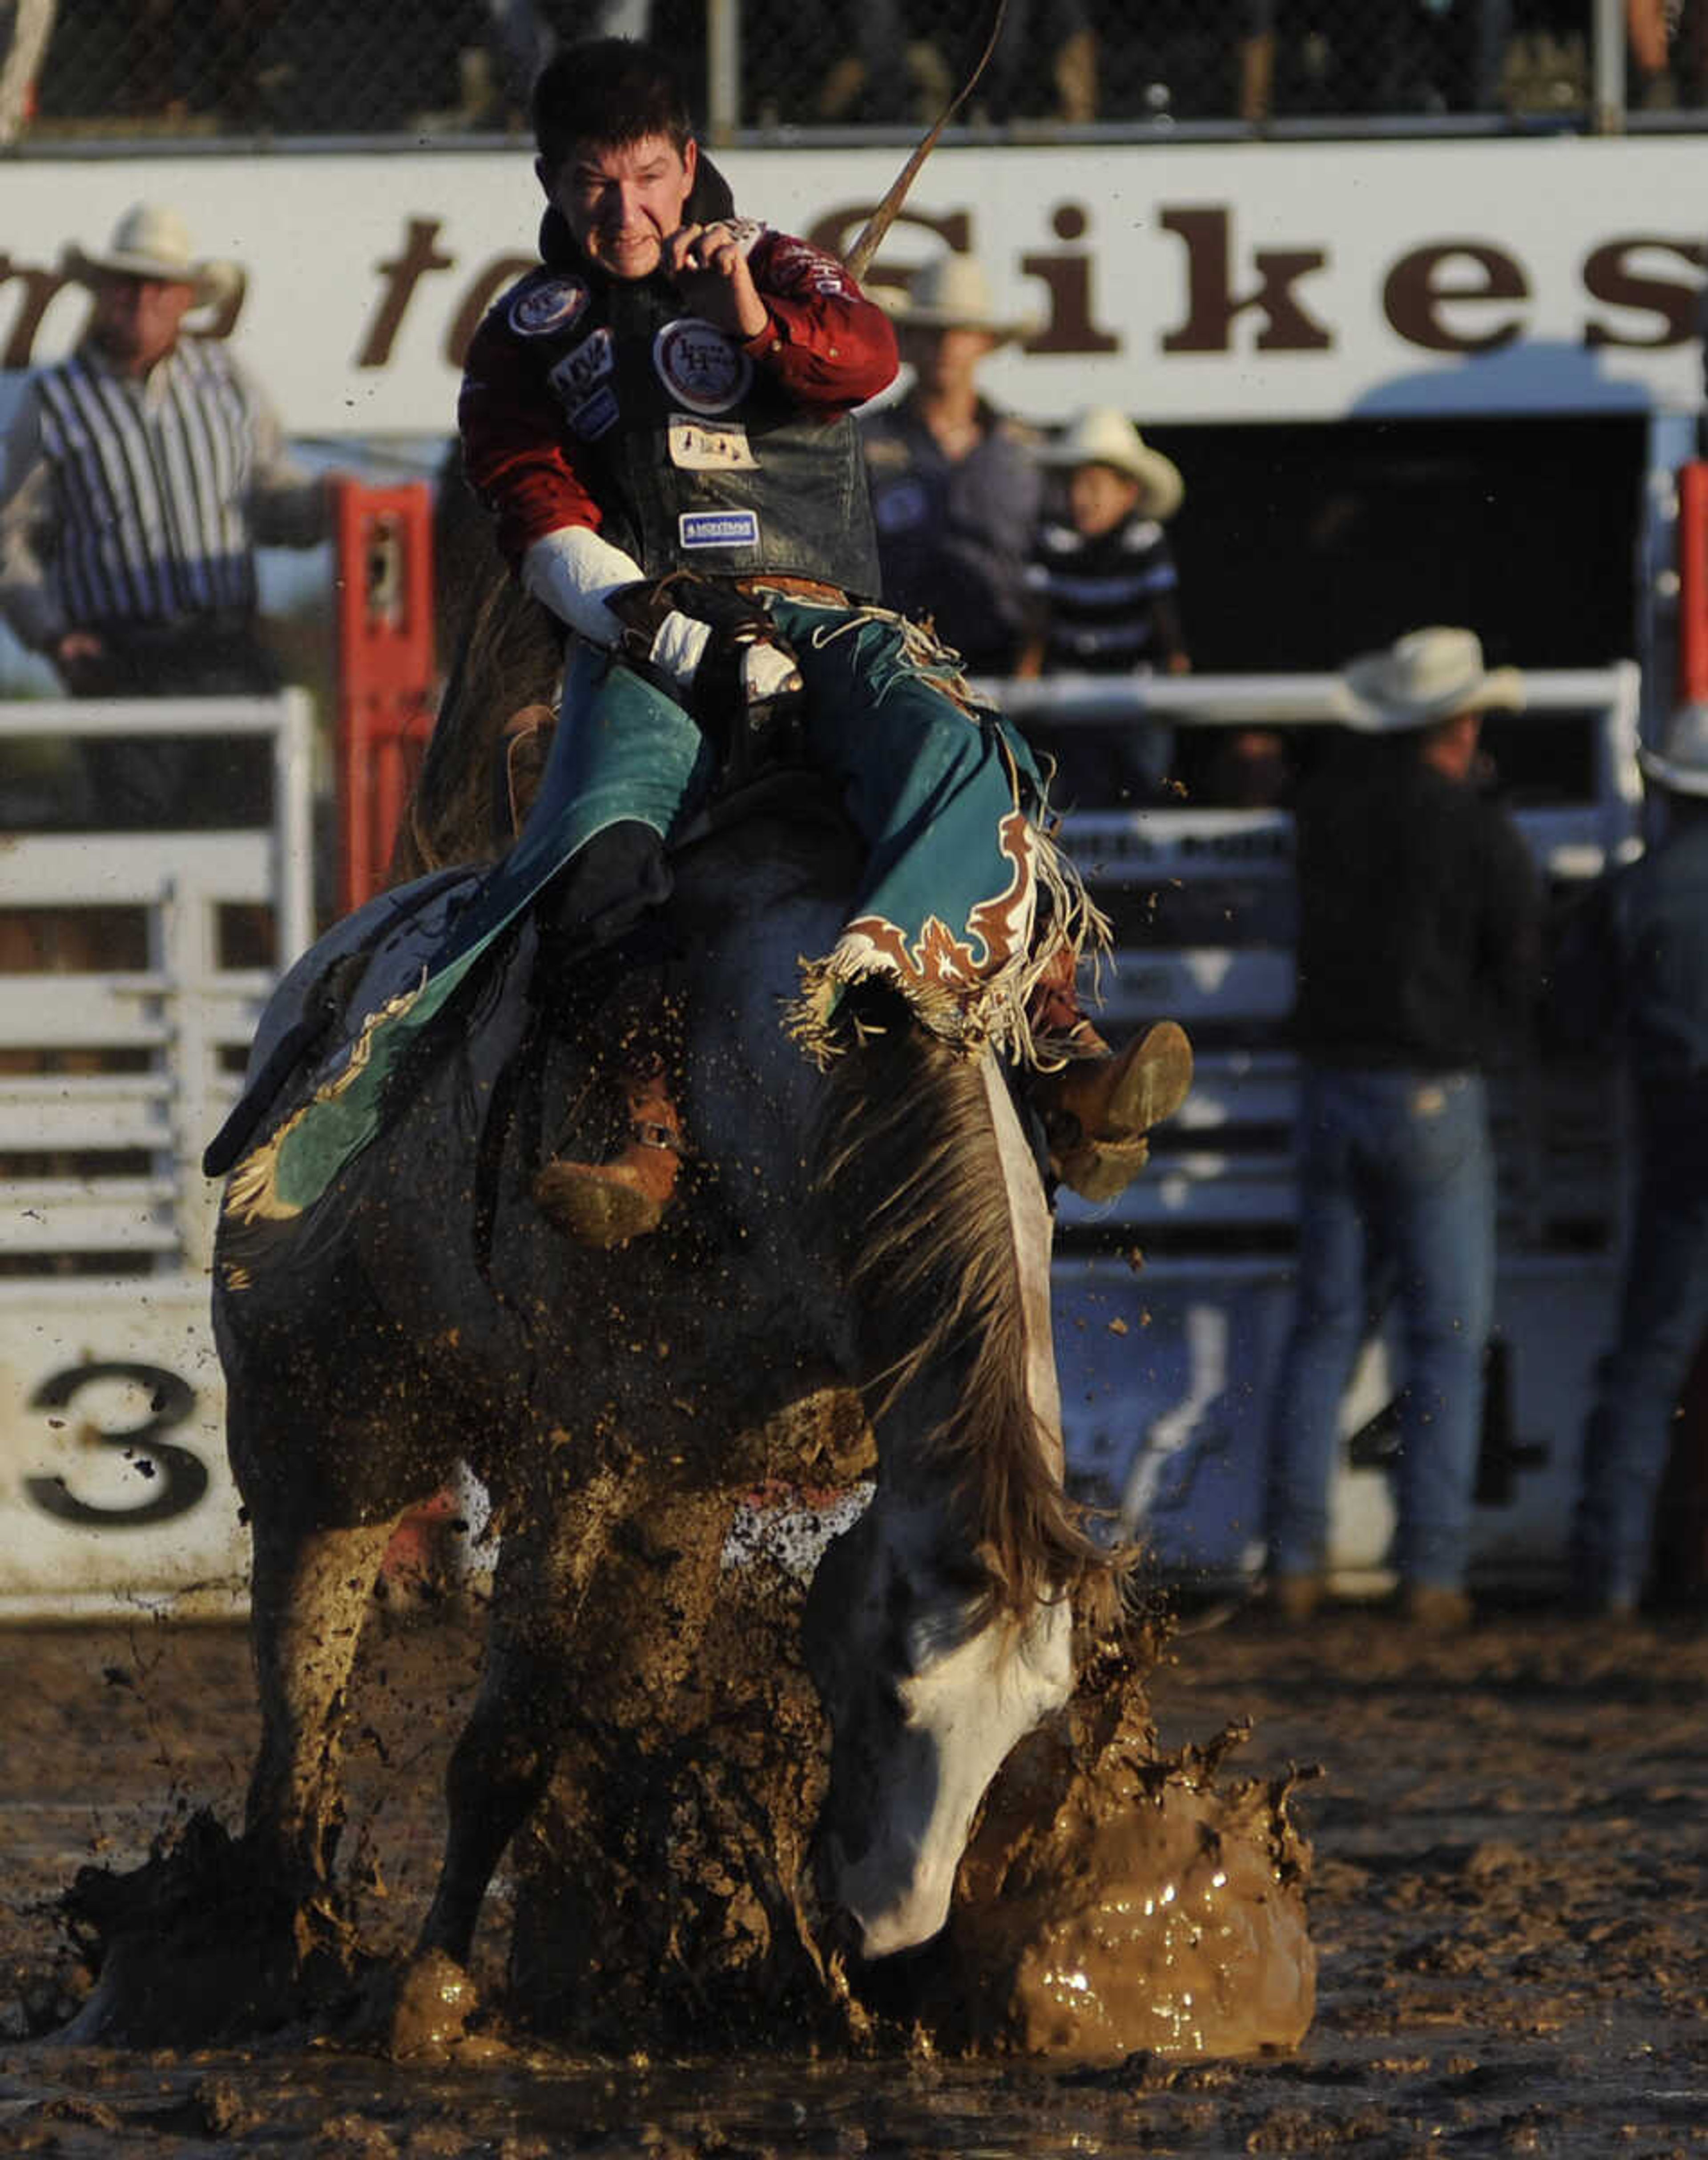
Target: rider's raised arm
825,341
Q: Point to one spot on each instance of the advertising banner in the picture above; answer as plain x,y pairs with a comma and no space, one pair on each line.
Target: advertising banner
1196,282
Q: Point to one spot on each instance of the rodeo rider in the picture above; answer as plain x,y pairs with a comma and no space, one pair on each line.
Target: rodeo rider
659,417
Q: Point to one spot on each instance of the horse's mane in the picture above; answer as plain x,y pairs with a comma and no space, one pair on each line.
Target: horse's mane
509,656
908,1158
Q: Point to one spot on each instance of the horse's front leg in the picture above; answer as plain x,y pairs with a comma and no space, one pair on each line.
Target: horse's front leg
504,1761
586,1626
309,1594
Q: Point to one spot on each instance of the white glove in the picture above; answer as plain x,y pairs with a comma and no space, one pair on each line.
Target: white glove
769,672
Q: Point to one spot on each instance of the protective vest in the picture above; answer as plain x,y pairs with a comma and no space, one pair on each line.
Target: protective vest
698,459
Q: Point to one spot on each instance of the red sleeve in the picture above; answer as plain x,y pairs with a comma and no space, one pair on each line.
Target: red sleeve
517,456
826,342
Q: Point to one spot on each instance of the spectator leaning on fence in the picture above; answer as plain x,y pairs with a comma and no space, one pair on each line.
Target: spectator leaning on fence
1106,598
1633,964
140,473
1417,933
955,487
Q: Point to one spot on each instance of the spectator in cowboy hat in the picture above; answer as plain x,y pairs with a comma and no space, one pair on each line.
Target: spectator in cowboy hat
955,488
140,473
1417,933
1633,962
1106,598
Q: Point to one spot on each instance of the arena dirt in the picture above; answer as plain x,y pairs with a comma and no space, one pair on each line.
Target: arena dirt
1509,1904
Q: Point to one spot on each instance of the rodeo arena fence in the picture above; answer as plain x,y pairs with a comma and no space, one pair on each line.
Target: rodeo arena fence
81,73
114,1492
112,1081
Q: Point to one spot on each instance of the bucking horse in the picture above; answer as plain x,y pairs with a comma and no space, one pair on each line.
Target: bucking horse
874,1230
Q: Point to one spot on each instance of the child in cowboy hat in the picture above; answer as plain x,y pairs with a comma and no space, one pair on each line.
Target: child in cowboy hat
1105,594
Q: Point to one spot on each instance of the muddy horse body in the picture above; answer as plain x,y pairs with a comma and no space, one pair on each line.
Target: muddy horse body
880,1227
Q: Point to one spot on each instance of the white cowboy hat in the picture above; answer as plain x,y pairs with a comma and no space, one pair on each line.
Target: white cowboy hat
1427,675
950,292
1101,436
1681,761
150,240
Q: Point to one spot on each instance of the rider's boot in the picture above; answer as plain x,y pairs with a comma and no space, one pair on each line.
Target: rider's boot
1097,1108
602,1204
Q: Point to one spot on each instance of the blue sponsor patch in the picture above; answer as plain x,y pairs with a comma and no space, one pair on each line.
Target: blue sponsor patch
597,417
717,528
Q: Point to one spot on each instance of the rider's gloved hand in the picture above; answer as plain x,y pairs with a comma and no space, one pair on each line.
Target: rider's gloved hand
717,648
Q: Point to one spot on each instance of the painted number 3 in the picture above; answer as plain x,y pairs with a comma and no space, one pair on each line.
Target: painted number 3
175,1479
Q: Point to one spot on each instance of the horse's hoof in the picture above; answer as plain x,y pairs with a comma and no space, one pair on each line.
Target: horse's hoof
434,2002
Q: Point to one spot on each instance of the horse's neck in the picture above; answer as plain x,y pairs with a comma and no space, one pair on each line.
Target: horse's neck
1031,1230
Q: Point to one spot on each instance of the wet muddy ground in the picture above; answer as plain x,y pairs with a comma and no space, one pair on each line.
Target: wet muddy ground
1510,1903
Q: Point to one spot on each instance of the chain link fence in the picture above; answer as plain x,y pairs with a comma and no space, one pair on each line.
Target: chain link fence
171,71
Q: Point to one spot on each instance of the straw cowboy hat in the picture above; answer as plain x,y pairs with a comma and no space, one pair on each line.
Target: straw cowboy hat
1426,676
150,240
1681,761
1101,436
950,293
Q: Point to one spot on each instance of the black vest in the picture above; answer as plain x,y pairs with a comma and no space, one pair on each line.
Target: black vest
698,460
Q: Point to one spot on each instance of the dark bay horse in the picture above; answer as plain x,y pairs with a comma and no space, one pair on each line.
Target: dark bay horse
880,1227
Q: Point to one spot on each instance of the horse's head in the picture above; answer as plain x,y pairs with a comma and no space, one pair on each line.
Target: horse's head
929,1680
938,1631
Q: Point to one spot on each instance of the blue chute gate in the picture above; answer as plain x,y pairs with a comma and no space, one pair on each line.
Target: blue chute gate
1172,1303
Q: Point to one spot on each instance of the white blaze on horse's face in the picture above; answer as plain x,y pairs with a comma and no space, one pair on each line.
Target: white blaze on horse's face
925,1703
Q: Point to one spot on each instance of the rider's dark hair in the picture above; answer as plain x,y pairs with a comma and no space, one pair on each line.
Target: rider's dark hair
608,91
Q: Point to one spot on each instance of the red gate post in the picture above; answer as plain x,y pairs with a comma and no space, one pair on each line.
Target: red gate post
1693,584
383,537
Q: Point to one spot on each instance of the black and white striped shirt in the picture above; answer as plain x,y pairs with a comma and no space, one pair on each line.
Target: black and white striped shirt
1106,602
152,480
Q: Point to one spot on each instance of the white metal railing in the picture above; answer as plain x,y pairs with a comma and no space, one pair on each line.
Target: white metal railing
103,1068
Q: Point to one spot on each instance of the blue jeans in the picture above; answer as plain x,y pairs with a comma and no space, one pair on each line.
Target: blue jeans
1663,1312
1396,1200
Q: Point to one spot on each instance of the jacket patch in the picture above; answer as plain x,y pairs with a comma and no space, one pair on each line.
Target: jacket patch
700,366
597,417
710,445
583,366
717,528
551,304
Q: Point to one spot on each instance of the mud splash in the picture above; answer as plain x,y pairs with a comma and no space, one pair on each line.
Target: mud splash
1116,1901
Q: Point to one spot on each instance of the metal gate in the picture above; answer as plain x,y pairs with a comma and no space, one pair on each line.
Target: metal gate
133,970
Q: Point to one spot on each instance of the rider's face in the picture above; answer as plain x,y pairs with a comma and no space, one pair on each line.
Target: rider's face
623,201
